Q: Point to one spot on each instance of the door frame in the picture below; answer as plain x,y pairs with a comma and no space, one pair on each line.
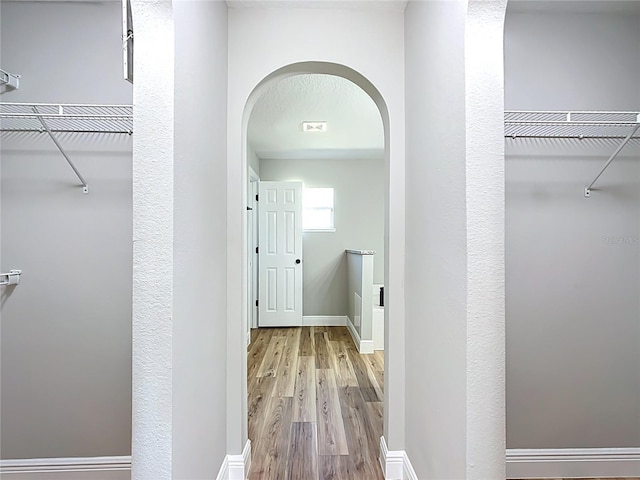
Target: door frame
253,279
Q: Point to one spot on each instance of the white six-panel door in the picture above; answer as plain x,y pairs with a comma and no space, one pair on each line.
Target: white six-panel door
280,254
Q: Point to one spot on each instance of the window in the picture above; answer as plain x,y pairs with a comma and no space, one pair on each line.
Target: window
317,210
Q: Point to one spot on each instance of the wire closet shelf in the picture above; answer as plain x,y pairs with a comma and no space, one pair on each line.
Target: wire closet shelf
578,125
624,126
66,118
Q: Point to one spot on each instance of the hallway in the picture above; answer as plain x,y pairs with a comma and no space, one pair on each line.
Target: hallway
315,405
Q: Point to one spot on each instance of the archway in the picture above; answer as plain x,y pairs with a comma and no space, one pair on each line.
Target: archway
391,292
343,76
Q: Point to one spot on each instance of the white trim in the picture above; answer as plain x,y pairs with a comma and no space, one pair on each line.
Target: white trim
391,462
573,462
395,464
324,321
236,467
81,468
223,473
364,346
253,180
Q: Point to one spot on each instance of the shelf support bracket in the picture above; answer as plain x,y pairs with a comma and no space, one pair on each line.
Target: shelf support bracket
10,80
85,187
587,191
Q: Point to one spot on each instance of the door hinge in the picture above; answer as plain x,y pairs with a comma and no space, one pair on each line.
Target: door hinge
256,303
257,198
257,249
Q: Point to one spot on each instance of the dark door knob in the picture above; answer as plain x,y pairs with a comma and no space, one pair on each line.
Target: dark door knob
298,261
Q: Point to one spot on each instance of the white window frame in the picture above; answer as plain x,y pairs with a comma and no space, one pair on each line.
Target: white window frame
331,208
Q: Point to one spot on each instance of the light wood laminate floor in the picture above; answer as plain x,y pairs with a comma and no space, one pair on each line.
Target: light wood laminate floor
315,405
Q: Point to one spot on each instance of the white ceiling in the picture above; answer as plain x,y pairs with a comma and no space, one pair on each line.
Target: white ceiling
349,4
354,125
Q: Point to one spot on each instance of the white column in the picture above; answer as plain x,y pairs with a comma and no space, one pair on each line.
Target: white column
484,78
152,240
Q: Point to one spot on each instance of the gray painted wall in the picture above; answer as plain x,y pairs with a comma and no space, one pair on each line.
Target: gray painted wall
66,329
252,160
359,221
573,335
436,275
199,309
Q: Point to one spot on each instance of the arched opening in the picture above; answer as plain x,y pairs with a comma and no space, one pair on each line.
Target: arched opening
364,84
315,357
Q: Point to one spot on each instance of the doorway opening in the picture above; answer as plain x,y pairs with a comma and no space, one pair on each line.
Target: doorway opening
318,385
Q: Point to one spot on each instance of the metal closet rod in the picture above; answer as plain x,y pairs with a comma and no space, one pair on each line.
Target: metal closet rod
85,187
81,105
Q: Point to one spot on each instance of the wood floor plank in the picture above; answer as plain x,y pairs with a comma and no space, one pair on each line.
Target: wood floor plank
342,365
374,376
331,437
272,356
362,446
257,349
375,360
307,347
338,334
322,349
257,404
375,414
335,467
253,334
304,397
362,375
288,367
303,454
272,441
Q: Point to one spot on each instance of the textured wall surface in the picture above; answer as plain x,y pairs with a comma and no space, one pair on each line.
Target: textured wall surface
484,75
573,272
359,221
153,237
66,329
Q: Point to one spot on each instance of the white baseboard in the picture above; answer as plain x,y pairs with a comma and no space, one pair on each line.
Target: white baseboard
573,463
74,468
364,346
324,321
236,467
395,464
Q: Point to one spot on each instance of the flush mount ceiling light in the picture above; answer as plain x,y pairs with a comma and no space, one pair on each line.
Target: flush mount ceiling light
314,126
